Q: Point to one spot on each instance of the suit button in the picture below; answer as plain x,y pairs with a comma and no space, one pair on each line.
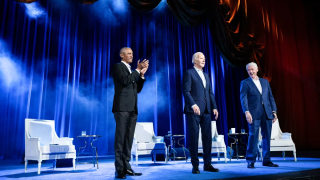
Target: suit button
205,98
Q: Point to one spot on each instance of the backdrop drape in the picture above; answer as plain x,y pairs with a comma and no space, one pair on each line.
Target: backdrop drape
55,64
282,37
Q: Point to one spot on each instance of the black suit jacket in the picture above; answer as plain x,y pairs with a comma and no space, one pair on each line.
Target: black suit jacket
195,93
126,87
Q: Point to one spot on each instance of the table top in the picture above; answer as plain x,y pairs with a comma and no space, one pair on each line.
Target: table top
174,136
89,136
236,134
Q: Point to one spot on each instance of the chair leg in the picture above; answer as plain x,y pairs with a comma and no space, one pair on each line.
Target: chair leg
54,164
218,154
166,156
294,155
284,155
154,158
137,159
25,165
39,166
225,157
74,163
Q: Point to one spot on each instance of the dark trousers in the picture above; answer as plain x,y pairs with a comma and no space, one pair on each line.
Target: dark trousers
125,126
266,126
204,120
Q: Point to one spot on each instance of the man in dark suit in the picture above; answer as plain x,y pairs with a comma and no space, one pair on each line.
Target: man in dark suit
199,102
127,84
260,109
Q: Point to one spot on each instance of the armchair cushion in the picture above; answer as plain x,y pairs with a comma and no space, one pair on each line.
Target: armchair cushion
49,149
281,142
215,144
150,146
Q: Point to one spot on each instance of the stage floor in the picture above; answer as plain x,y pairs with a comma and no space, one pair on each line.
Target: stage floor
304,168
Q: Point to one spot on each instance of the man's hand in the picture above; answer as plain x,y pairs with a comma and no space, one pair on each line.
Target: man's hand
216,114
143,64
143,71
196,109
249,117
275,118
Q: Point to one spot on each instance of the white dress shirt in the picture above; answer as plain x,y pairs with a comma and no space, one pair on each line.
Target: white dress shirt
200,72
258,84
129,68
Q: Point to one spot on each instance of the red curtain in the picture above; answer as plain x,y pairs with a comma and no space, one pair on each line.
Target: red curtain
292,65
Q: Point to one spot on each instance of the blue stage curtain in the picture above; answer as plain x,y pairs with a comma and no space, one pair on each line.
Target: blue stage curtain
55,64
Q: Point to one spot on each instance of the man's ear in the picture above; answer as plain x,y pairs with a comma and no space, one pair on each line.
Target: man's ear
121,55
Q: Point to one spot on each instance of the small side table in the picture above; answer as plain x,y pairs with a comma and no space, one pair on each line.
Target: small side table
94,149
236,137
174,139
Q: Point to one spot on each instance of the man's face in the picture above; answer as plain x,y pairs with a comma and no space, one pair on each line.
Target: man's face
252,71
200,61
127,56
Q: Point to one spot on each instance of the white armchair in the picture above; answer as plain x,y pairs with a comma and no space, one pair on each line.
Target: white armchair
218,144
145,142
42,143
279,141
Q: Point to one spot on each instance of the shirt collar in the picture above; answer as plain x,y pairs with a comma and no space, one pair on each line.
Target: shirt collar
198,69
254,79
126,64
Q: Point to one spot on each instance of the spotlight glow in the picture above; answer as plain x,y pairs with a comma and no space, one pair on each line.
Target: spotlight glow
34,10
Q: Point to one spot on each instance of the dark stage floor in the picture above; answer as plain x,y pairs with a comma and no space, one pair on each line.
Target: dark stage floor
307,167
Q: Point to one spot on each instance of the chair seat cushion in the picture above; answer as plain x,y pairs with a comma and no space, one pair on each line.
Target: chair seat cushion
57,149
215,144
150,146
282,142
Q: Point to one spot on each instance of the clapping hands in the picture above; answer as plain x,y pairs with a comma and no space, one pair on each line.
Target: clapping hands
143,66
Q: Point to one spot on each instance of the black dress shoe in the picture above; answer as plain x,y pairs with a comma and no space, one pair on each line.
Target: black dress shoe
270,164
250,165
195,170
131,172
120,175
210,168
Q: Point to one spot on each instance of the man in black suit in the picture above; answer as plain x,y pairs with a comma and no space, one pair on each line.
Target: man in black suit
199,102
127,84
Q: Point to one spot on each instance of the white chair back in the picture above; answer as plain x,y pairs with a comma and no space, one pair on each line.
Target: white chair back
144,132
276,131
43,129
214,131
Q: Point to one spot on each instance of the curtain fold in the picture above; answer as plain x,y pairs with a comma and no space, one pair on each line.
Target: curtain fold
228,26
144,5
189,12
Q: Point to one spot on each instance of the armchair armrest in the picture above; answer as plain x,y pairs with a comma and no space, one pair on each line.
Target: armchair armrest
158,139
32,147
286,136
220,138
64,141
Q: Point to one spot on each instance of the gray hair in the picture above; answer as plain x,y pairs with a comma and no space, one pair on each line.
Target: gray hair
252,64
123,49
196,55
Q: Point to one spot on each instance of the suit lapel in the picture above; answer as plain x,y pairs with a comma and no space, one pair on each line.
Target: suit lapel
262,84
254,85
124,66
207,80
197,75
